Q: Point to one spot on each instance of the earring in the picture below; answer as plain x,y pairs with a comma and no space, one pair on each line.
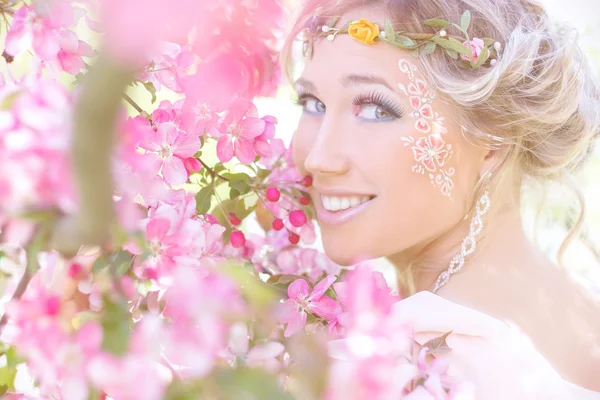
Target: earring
468,244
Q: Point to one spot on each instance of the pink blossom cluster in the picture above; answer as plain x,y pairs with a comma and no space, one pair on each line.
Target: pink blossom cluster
47,29
372,348
35,127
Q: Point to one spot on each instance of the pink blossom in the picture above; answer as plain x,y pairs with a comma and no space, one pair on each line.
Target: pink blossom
71,51
41,30
302,300
169,147
171,63
262,144
261,355
237,132
476,46
34,147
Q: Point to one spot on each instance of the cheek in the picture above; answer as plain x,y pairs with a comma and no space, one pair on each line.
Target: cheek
302,142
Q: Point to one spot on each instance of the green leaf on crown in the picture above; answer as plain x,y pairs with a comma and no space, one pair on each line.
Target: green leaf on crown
389,31
465,20
488,41
452,53
428,48
483,56
436,22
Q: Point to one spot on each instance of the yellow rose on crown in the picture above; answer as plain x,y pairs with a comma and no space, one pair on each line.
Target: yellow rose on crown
364,31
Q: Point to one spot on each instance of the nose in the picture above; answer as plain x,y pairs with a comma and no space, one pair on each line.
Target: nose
327,156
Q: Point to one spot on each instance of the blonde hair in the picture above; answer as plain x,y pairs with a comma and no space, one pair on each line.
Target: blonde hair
539,103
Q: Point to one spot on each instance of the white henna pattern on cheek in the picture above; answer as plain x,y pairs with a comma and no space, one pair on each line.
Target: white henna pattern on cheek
431,152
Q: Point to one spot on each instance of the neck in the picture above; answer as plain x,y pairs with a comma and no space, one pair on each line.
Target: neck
502,231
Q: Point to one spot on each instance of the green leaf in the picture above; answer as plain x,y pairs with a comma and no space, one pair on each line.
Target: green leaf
7,377
459,47
465,20
234,194
459,28
116,325
241,210
405,41
428,48
483,56
241,186
121,262
464,64
389,30
488,41
204,199
100,264
262,174
452,53
12,358
437,23
333,21
151,89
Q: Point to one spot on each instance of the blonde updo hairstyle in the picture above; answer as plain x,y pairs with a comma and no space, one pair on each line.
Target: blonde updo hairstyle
539,104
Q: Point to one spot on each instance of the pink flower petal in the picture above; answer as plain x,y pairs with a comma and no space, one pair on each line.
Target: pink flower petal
244,151
174,171
325,307
298,289
157,228
225,148
186,145
321,287
251,128
167,133
295,324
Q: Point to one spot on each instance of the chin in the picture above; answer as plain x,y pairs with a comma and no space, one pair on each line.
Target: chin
344,254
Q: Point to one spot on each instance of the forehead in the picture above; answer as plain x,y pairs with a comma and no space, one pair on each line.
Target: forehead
333,60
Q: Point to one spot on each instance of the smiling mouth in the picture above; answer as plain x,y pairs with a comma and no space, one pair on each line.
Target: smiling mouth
342,203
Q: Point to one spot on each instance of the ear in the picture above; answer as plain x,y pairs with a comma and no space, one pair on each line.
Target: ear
492,160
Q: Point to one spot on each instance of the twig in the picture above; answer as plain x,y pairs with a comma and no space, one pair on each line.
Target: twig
21,287
212,171
137,107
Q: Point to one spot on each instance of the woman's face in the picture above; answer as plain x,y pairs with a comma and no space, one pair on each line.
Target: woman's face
391,170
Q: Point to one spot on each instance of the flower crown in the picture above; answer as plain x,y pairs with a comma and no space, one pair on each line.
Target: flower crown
470,52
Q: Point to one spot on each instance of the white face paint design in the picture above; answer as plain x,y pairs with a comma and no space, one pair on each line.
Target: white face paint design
430,151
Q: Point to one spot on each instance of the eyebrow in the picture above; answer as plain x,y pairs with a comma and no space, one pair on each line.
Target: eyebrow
349,80
358,79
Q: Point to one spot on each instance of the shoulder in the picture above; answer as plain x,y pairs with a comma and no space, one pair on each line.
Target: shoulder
495,355
558,315
485,351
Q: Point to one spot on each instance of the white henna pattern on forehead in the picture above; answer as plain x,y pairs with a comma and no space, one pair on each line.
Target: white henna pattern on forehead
431,152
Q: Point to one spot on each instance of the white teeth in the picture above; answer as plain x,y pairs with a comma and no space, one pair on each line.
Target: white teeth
344,203
326,202
335,203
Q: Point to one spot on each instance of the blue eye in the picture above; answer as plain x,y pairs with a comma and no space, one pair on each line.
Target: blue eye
373,112
376,107
311,104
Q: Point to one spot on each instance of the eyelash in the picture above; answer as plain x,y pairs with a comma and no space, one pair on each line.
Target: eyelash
375,98
301,97
380,100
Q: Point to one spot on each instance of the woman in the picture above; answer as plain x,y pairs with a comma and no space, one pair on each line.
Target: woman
420,157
